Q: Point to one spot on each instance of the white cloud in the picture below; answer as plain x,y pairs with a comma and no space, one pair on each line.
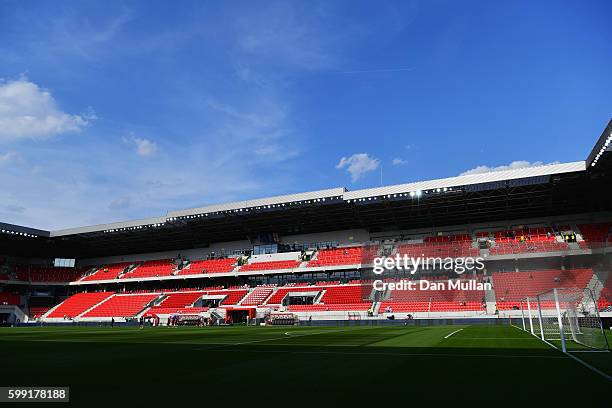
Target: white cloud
518,164
89,188
399,162
145,147
242,124
358,165
268,114
249,76
264,123
27,111
276,152
83,37
9,157
287,35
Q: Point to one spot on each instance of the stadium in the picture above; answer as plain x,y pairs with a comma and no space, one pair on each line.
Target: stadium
249,292
284,203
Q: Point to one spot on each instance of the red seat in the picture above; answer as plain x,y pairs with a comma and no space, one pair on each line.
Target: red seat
442,246
122,306
36,312
107,272
605,297
148,269
37,273
594,235
9,298
233,296
269,265
79,303
181,299
418,300
209,266
513,287
349,307
338,256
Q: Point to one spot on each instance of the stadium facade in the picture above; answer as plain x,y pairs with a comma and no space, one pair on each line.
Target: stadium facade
309,256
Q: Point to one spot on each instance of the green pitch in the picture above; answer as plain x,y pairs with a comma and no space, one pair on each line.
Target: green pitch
315,366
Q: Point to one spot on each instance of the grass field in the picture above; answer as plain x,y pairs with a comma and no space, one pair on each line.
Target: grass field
314,366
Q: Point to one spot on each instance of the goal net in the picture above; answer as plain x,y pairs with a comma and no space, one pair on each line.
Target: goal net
566,318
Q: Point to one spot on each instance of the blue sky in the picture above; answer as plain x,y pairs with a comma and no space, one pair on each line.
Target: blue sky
122,110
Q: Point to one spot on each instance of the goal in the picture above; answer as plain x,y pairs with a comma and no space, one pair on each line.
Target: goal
565,318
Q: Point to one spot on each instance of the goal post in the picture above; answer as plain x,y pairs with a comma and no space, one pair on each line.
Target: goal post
567,318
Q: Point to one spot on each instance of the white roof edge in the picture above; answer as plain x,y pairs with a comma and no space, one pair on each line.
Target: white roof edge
114,225
535,171
311,195
489,177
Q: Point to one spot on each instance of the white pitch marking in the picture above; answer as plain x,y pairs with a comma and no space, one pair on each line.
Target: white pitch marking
590,367
584,363
295,336
448,335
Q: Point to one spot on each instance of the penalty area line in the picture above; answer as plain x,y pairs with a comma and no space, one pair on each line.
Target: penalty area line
590,367
285,337
578,360
448,335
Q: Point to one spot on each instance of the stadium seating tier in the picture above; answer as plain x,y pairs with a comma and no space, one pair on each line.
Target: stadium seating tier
269,265
149,269
512,287
121,306
78,303
209,266
338,256
107,272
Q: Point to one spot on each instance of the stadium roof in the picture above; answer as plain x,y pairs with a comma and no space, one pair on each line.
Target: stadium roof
470,179
18,230
603,147
339,193
537,191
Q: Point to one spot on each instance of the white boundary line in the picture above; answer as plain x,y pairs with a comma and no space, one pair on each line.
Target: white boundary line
493,338
285,337
448,335
587,365
584,363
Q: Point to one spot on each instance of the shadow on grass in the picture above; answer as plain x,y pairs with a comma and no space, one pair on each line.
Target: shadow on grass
101,374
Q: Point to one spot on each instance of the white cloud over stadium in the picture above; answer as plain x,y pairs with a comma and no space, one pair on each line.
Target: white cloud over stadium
517,164
358,165
28,112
